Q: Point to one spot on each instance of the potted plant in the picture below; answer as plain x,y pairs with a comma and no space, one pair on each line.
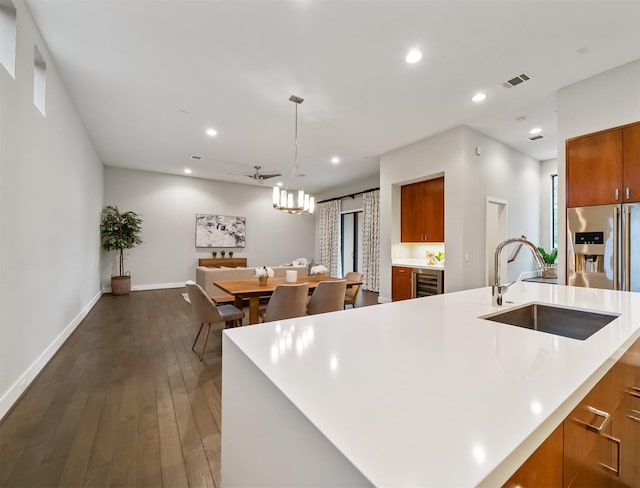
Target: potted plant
120,231
214,254
230,254
263,273
222,253
550,270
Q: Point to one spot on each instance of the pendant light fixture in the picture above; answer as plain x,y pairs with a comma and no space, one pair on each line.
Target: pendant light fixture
294,202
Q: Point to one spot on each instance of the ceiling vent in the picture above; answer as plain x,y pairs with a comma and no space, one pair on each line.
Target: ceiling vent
535,138
516,80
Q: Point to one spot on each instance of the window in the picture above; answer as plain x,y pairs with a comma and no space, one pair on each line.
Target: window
8,36
554,211
39,80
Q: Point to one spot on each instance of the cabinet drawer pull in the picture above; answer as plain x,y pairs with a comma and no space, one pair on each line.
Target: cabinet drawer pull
618,444
634,415
598,413
634,391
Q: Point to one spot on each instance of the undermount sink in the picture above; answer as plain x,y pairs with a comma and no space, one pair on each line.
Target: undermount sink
566,322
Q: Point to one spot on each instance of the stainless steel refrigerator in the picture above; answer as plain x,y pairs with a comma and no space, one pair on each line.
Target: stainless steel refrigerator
603,246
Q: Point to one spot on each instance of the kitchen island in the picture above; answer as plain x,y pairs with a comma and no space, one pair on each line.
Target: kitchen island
415,393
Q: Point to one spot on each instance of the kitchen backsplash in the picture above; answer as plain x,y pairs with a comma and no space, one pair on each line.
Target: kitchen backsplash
415,250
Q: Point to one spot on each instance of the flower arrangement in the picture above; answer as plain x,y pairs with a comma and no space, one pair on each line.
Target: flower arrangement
318,269
263,271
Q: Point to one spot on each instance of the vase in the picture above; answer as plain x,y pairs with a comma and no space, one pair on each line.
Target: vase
263,280
550,271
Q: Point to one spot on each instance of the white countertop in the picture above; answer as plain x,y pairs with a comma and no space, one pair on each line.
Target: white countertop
416,263
423,393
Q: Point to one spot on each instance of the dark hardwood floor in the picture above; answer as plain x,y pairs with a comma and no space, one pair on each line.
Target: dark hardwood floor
124,402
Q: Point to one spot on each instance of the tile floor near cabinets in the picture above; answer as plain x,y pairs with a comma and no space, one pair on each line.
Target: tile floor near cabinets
124,402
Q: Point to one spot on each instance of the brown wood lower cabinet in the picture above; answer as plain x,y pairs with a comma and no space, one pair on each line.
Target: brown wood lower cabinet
401,283
544,466
598,444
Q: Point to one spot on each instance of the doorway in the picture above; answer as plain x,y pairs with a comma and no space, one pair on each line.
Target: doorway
495,233
351,246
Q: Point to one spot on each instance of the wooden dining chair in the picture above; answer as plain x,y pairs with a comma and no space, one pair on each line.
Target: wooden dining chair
205,312
327,297
352,294
286,302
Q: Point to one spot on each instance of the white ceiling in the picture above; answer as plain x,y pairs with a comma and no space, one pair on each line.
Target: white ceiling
148,77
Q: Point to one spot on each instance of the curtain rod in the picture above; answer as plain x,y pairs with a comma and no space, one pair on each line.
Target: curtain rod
351,195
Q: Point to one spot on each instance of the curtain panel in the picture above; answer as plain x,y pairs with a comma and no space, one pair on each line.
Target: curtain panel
329,213
371,241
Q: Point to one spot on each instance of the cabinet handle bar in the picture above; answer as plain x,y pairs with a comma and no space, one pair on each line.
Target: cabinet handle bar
598,413
618,444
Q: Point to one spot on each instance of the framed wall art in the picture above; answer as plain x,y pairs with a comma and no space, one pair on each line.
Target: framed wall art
220,231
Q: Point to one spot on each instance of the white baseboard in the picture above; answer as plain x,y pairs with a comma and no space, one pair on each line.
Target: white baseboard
157,286
16,390
153,286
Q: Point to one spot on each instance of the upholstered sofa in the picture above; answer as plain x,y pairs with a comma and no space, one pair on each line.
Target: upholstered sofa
206,276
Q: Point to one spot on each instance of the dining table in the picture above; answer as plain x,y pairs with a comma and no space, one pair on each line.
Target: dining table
252,290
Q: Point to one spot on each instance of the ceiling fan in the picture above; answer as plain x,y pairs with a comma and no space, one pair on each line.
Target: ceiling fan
257,175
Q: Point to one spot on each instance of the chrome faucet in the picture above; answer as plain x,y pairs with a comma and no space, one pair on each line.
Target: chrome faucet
497,290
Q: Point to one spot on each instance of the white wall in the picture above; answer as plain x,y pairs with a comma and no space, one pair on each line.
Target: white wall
50,200
606,100
500,172
168,205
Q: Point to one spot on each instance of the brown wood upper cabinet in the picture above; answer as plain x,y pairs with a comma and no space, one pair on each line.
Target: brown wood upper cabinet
604,167
422,211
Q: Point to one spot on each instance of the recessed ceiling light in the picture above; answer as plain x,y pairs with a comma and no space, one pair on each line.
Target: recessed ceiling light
280,183
478,97
335,160
187,171
413,56
535,130
212,132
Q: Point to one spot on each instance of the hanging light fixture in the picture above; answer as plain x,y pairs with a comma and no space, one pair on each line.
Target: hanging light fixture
291,201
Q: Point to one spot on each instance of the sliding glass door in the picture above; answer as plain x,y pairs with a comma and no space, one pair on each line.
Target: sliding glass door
351,246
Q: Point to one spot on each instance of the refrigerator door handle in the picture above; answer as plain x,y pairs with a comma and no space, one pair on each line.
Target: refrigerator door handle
616,257
627,249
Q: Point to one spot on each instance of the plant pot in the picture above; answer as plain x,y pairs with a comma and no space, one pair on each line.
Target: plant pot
120,285
550,272
263,280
